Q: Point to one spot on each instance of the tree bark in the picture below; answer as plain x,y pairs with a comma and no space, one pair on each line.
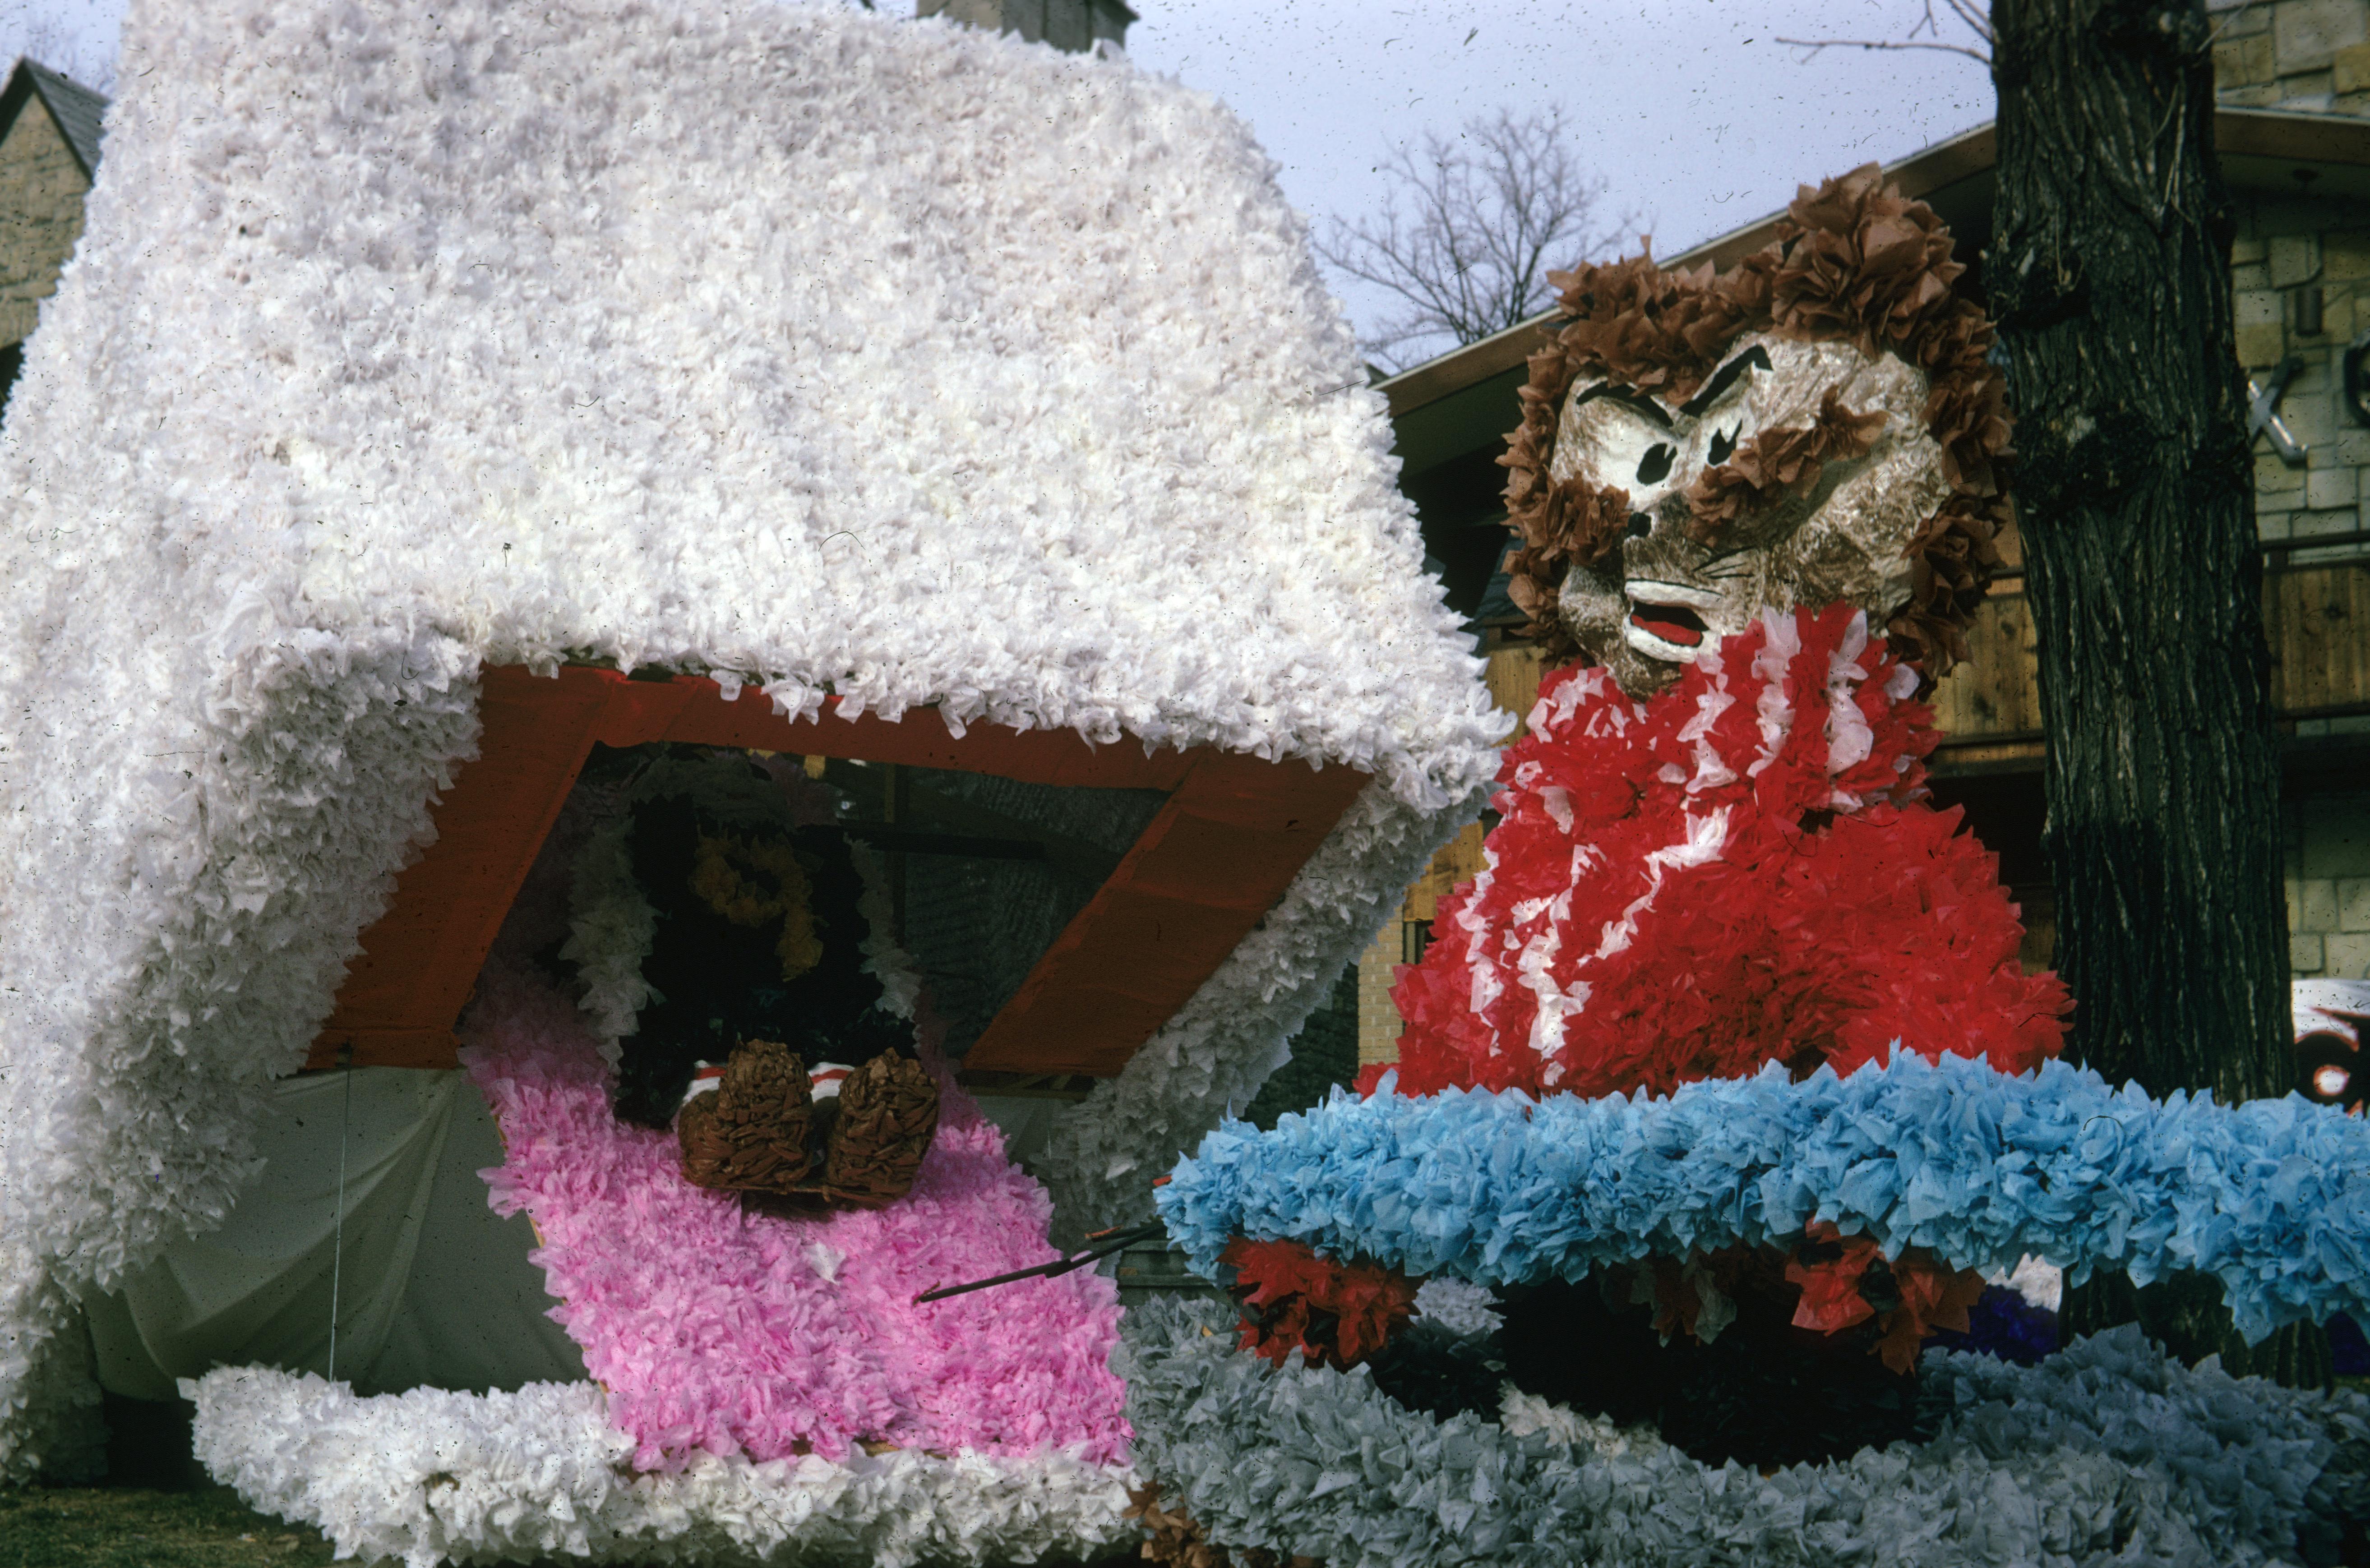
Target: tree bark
2110,276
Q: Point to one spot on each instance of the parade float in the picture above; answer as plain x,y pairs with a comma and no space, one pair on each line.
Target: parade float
1718,1204
541,545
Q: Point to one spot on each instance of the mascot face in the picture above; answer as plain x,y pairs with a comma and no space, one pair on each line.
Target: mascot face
1820,424
2331,1018
1671,588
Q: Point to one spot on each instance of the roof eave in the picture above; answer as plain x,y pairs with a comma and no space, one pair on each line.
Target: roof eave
77,111
2251,140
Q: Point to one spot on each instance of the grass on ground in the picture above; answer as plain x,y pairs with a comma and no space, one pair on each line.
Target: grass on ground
132,1527
127,1527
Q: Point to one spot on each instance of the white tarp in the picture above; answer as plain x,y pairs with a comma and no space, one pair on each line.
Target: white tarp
434,1288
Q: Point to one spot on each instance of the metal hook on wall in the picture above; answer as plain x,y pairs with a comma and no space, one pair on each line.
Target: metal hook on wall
2263,412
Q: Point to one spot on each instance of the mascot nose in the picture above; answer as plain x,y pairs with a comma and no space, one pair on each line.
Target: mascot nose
1640,525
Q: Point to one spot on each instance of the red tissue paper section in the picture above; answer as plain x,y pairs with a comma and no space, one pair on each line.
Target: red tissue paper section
1292,1300
1925,1295
1741,869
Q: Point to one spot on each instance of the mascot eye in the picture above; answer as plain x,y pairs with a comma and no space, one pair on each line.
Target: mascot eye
2330,1081
1655,466
1723,446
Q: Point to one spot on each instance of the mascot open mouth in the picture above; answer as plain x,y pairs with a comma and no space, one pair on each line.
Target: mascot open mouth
1666,619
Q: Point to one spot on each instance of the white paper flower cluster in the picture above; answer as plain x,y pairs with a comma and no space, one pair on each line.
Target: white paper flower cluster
176,925
820,351
611,927
429,1476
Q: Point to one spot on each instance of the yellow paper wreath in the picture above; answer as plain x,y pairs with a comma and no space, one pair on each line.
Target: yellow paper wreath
723,886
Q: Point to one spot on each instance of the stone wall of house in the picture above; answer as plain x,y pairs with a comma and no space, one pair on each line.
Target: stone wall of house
1073,25
2300,271
2301,54
42,188
2329,885
1379,1020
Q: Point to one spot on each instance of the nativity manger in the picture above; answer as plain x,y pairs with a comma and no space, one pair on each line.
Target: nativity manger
583,584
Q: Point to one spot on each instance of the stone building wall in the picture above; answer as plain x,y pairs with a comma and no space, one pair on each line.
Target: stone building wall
1379,1020
1077,26
2329,885
2301,261
2286,251
42,188
2300,54
2293,257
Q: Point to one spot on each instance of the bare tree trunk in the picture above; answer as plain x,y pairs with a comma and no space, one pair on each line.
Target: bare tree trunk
2110,274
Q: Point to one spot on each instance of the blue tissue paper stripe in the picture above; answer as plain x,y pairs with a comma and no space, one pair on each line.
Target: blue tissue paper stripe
2272,1196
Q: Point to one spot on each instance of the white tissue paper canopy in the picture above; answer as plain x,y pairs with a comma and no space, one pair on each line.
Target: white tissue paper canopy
829,354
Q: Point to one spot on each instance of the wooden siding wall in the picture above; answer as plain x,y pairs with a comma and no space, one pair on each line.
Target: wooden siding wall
2319,630
2317,618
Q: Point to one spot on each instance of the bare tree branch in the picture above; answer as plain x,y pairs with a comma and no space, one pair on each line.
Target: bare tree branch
1971,13
2224,25
1973,16
1467,238
1815,44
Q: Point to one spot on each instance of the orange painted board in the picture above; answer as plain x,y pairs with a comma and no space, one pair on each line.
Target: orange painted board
1137,939
1205,862
1083,1052
1249,792
1233,833
693,710
421,959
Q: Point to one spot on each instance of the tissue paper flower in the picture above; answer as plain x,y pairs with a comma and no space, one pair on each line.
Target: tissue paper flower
2106,1454
725,1332
1979,1168
1740,870
1293,1300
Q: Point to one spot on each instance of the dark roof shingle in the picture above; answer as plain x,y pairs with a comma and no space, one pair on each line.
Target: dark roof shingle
78,111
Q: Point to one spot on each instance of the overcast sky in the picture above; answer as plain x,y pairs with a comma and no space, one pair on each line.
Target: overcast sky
1699,120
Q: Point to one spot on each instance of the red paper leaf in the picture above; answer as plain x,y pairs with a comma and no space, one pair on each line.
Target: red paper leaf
1288,1291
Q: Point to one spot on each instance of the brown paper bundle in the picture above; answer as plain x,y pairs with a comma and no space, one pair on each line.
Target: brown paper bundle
751,1134
888,1113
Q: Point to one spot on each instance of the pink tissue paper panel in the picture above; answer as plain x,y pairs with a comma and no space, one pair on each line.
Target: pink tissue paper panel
770,1337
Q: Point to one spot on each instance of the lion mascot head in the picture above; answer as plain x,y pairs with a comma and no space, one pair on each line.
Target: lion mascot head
1820,424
